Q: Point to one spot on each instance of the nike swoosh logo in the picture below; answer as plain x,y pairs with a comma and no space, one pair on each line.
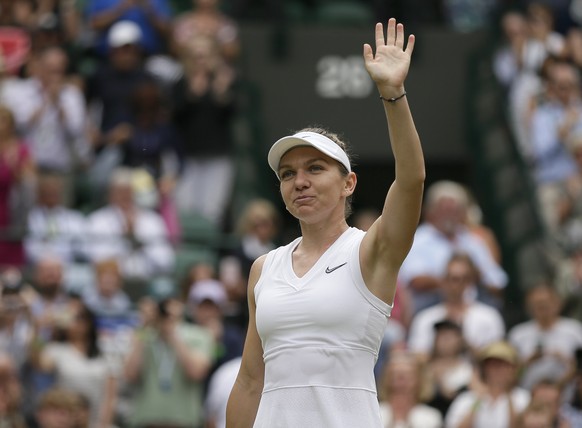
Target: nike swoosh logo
330,270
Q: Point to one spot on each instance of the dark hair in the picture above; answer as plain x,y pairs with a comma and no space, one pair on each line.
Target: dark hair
461,257
93,334
345,147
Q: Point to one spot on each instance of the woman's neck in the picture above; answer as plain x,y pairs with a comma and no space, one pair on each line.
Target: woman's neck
317,238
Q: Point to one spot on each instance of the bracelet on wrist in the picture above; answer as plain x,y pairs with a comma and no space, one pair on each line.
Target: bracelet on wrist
393,99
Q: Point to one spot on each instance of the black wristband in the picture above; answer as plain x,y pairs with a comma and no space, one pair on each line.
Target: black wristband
392,100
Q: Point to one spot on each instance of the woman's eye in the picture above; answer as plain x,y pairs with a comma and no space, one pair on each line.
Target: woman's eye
316,168
285,174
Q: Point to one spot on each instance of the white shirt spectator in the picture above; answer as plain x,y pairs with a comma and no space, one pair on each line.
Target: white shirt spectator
481,326
150,254
58,231
562,338
491,413
431,252
420,416
54,143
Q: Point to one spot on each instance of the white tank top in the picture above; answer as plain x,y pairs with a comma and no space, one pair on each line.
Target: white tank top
321,335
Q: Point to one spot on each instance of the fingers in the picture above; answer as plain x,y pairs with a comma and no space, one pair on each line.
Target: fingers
410,44
399,42
368,54
380,35
391,36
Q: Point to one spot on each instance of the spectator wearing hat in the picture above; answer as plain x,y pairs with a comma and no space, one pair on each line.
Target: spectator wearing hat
481,324
207,301
108,93
493,399
151,16
547,342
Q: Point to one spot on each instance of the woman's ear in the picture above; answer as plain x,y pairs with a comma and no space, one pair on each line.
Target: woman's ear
350,183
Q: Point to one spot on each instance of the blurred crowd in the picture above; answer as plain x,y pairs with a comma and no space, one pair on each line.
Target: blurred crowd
116,139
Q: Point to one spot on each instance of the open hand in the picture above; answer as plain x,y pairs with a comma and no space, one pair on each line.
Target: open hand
388,66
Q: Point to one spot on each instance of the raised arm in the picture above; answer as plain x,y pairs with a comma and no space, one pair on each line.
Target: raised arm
244,399
388,241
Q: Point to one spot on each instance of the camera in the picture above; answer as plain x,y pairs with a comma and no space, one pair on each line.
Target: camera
11,282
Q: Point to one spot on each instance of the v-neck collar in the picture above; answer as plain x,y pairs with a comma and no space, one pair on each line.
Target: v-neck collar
297,282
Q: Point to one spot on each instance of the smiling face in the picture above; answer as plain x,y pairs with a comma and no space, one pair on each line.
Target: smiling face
313,186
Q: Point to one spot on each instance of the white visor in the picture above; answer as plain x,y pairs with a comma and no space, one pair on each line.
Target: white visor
313,139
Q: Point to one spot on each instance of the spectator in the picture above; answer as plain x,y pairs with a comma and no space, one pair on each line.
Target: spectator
449,366
571,408
536,416
402,393
394,340
49,308
153,18
468,15
547,342
493,400
474,222
553,122
54,229
58,408
480,323
547,395
51,115
206,304
220,385
153,143
136,237
569,198
109,88
205,20
257,230
10,394
107,298
17,172
76,360
167,366
568,279
442,232
205,107
16,326
108,94
52,299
